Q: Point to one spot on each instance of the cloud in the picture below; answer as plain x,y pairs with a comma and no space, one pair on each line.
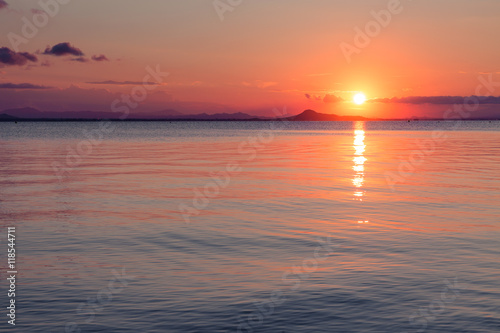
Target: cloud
259,84
101,57
62,49
12,58
314,97
3,4
80,59
22,86
332,99
320,74
123,83
439,100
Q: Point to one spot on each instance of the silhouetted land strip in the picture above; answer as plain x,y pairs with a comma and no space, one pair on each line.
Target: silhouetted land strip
307,115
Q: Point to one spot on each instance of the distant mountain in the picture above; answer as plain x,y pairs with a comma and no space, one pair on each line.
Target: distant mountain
217,116
23,113
311,115
31,113
173,115
153,115
168,114
7,117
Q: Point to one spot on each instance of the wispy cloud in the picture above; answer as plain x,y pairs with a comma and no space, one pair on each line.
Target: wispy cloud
80,59
328,98
314,97
332,99
259,84
101,57
320,74
123,83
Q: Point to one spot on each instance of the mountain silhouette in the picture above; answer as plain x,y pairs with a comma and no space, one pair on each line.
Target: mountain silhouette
4,116
311,115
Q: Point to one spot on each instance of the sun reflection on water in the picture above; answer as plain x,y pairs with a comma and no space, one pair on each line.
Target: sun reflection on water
359,160
359,164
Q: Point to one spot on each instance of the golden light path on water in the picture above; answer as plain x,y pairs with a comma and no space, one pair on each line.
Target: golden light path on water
359,162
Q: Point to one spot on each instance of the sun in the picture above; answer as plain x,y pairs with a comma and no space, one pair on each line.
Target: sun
359,98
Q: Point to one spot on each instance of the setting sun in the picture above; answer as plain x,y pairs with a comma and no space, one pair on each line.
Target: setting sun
359,98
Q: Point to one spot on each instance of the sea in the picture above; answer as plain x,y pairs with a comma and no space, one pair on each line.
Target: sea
251,226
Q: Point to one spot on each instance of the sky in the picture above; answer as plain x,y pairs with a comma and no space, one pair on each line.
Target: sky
408,57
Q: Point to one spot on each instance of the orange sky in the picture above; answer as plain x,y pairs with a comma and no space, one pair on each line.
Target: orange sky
262,54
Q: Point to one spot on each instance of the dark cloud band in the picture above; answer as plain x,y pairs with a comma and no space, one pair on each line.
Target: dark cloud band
438,100
22,86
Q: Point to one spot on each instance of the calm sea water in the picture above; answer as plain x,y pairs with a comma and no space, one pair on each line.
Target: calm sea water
252,227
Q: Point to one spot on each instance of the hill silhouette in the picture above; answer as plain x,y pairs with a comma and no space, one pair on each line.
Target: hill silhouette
4,116
311,115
